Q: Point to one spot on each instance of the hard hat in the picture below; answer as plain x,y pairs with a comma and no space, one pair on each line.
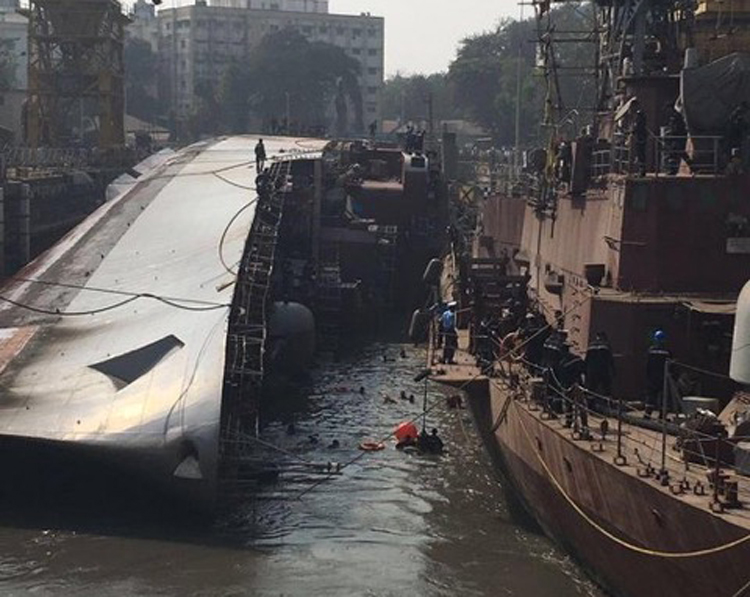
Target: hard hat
659,335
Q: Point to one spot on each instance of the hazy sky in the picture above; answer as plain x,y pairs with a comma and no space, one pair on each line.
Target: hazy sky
421,36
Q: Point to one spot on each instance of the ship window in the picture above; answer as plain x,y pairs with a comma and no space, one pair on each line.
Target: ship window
130,366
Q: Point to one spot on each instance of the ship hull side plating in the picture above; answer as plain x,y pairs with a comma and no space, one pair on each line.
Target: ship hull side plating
634,510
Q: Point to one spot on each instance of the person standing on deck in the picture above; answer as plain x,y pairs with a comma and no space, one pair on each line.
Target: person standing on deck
260,156
450,342
600,368
657,357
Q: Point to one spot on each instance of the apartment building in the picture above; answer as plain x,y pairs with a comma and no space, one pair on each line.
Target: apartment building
14,45
199,41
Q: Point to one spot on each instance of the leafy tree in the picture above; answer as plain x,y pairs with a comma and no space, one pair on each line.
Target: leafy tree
486,69
286,67
140,80
405,98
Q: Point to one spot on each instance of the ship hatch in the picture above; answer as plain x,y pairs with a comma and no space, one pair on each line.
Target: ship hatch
126,368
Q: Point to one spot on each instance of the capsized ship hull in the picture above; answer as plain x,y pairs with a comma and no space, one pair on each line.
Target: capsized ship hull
122,352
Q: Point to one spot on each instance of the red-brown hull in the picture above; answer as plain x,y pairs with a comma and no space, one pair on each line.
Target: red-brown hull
633,509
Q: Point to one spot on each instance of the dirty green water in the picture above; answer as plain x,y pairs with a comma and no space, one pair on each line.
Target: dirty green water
390,524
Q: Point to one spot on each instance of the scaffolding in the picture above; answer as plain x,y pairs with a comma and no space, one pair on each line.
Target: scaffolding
246,337
76,88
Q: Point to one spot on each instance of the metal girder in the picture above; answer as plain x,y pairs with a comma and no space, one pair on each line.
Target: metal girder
76,73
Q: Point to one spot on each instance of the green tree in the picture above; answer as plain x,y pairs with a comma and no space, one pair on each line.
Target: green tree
485,76
405,98
140,80
287,69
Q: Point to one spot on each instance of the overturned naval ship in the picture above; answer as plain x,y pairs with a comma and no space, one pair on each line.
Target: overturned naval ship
138,340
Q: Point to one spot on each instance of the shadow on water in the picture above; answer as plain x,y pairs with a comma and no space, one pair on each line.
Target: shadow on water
389,523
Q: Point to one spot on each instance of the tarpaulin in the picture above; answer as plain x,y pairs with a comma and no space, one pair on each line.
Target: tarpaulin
710,93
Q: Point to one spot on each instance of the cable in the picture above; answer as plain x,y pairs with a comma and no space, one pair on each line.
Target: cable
114,291
699,370
224,235
234,184
70,313
382,440
131,298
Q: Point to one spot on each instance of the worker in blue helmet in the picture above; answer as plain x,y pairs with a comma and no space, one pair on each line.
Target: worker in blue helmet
656,359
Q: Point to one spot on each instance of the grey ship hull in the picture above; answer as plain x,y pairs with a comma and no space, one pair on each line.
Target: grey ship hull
131,370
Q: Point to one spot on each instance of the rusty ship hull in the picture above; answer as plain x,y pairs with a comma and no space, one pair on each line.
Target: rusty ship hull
633,535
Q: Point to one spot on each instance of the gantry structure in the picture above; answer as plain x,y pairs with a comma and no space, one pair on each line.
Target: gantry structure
76,72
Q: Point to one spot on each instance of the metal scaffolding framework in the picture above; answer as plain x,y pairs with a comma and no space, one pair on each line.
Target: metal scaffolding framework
76,87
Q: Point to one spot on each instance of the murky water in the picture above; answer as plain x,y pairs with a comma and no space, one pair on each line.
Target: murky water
390,524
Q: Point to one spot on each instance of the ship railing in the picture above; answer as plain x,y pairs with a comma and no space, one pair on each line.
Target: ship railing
702,153
653,460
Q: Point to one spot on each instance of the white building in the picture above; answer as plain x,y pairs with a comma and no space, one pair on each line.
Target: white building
198,42
14,48
317,6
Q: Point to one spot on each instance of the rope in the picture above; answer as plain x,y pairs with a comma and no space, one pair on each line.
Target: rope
200,306
382,440
621,542
226,231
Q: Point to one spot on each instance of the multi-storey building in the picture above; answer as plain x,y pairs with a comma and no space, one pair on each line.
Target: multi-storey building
196,43
13,58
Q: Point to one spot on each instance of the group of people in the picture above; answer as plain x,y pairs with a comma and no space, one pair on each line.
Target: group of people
525,336
425,443
675,136
414,140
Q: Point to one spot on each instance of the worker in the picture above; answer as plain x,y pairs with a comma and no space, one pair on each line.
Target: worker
656,359
676,140
260,156
600,369
448,327
430,444
568,374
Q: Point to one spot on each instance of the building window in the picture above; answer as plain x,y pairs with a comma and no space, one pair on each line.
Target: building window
340,30
356,51
372,71
183,44
372,90
323,30
372,32
372,52
356,33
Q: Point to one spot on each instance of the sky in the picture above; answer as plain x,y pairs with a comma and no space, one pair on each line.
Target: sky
422,36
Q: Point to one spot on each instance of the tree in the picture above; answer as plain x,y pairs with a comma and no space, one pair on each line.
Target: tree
286,69
485,76
140,80
405,98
